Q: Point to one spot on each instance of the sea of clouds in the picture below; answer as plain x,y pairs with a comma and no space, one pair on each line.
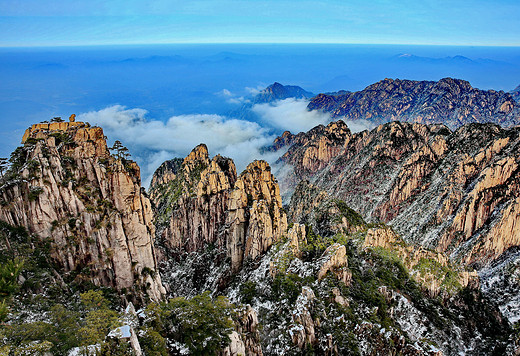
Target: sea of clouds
152,141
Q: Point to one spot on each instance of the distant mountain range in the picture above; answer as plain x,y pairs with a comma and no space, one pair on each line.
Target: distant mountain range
453,102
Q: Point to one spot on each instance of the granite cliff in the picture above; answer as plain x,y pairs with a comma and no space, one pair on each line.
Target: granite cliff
203,202
66,188
238,279
452,102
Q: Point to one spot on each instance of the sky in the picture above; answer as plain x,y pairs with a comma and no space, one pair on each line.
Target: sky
100,22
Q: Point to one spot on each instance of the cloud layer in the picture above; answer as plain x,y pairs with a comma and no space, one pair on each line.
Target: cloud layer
153,141
290,114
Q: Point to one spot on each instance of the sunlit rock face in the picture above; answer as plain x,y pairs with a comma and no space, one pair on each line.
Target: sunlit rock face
449,101
204,203
450,191
67,189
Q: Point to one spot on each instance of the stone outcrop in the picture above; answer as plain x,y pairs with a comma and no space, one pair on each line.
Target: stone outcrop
302,330
191,200
66,188
431,269
297,238
256,218
453,102
309,152
39,131
245,340
164,174
206,203
334,260
326,215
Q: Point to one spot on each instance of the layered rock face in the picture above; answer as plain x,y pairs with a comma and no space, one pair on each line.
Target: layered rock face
67,189
452,102
309,152
207,204
450,191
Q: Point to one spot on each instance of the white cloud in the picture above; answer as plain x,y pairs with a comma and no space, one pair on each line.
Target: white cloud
225,92
152,141
255,91
232,98
290,114
238,100
360,125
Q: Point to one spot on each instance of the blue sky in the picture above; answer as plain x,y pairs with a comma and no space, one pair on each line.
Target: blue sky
95,22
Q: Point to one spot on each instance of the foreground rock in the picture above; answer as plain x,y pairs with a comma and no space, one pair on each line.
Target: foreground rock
66,188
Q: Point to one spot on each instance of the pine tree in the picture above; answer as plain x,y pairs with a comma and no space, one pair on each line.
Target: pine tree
121,152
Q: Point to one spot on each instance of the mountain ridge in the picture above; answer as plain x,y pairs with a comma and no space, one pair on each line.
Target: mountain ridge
449,101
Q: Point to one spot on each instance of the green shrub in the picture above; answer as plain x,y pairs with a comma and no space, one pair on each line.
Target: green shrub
9,272
287,286
201,325
152,343
247,292
353,217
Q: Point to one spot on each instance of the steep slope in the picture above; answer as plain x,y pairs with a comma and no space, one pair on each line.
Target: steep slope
359,292
455,192
451,102
336,285
425,180
204,203
65,187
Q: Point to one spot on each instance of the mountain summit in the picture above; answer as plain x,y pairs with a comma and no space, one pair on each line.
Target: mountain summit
277,91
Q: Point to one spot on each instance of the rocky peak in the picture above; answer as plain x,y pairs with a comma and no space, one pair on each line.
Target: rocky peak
65,187
198,154
166,172
220,175
317,146
277,91
242,215
256,217
452,192
286,139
